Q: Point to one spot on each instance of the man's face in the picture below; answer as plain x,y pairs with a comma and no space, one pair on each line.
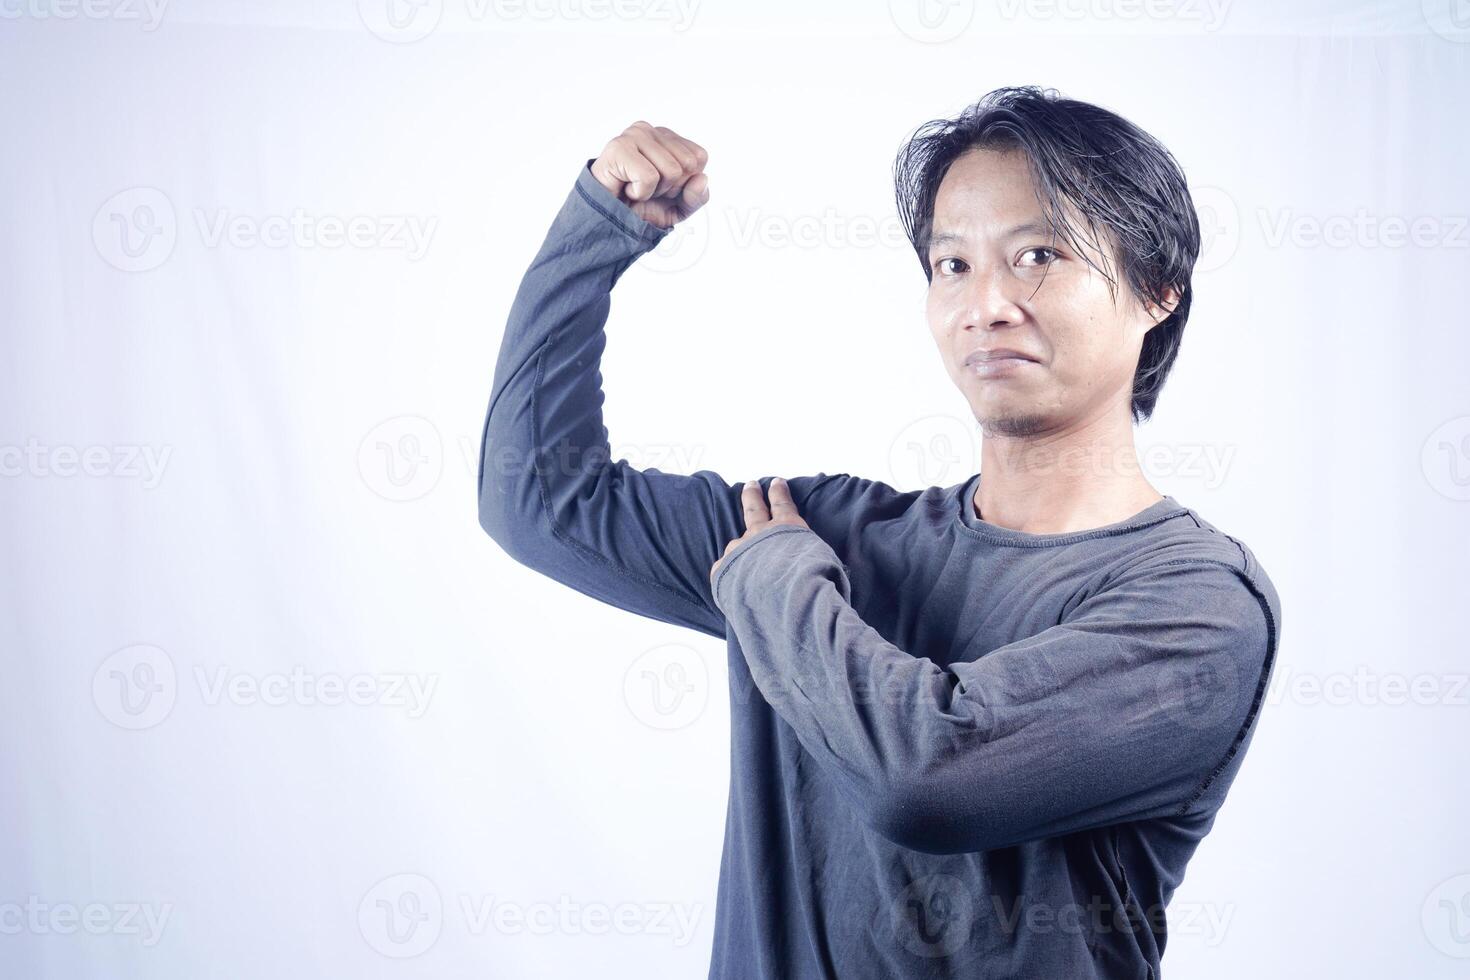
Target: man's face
984,294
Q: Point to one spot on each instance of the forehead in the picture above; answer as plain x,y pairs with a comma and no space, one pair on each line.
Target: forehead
990,195
984,187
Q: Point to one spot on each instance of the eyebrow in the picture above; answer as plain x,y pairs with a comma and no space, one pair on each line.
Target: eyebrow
1025,228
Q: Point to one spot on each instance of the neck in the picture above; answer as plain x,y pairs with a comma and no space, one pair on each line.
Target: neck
1060,482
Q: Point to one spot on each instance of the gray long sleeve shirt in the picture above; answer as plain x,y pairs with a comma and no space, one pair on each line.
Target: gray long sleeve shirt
957,749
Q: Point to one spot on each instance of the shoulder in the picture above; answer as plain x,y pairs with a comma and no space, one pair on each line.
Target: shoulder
1202,564
858,500
1188,537
844,509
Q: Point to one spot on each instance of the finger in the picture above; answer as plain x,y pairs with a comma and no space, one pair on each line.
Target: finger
782,506
753,503
701,155
671,171
695,194
636,172
691,156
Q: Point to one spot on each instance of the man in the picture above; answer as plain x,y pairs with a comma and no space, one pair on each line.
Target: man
977,730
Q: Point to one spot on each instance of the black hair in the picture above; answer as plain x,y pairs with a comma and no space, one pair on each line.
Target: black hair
1113,173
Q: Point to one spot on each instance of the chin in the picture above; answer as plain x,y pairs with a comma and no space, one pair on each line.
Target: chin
1013,423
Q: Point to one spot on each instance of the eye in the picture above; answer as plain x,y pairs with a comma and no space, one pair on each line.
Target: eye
1051,254
949,258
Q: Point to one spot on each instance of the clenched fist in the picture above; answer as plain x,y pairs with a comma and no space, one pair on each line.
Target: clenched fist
656,172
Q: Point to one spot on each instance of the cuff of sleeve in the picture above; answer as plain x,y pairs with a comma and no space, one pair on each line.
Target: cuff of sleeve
616,211
784,551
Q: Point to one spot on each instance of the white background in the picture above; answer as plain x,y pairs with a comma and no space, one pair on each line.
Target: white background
232,461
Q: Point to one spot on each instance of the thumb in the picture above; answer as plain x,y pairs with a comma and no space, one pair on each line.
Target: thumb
695,193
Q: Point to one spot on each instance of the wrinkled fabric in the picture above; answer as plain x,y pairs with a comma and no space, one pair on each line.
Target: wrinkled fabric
957,749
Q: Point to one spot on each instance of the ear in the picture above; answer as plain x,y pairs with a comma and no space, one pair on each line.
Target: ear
1159,313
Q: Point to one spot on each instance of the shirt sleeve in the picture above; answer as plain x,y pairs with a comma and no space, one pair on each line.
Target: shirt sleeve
1128,709
549,493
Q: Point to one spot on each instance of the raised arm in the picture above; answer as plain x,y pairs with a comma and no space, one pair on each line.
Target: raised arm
1129,709
549,494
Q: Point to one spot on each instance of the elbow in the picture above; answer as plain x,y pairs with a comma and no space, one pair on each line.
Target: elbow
496,521
920,815
509,504
510,523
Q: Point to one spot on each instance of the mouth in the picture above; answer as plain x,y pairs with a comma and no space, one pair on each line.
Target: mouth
996,362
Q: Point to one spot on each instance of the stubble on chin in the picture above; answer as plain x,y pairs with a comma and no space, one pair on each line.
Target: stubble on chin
1011,424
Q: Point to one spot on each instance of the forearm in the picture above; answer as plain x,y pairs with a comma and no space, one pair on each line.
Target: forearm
1076,727
543,429
863,707
549,494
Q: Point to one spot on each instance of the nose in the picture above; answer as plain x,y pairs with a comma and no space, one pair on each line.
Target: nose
991,299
